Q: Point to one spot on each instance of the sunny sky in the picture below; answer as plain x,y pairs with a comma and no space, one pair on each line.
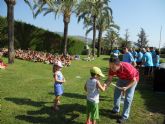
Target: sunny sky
128,14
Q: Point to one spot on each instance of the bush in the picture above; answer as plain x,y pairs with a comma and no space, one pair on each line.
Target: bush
162,55
29,36
75,46
162,60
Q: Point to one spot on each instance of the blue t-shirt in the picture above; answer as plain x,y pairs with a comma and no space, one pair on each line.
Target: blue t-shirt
134,54
139,56
115,53
147,58
157,61
154,57
127,57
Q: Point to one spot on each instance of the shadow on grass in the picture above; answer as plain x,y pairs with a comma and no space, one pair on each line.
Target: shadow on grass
25,101
106,59
155,102
45,115
105,98
72,95
107,113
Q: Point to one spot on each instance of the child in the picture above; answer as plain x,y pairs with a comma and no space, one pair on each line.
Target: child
58,81
2,64
92,87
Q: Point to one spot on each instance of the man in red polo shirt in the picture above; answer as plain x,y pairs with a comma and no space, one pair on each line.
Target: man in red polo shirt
128,78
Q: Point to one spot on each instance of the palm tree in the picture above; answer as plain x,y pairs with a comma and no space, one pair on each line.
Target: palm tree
89,11
111,38
10,19
62,7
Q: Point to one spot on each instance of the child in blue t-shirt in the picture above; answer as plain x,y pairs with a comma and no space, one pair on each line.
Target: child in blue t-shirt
58,84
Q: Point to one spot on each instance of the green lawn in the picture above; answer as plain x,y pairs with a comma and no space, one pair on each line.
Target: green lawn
27,96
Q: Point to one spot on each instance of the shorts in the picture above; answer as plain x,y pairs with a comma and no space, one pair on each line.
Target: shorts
93,110
148,70
58,89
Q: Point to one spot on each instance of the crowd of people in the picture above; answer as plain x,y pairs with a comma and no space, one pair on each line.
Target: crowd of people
36,56
148,58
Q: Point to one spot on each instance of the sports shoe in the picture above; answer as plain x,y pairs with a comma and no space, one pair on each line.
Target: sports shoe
113,112
121,120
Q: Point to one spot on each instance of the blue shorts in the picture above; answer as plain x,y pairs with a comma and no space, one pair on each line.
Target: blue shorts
58,89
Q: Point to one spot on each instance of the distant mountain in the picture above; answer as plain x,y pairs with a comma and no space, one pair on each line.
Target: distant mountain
77,37
83,39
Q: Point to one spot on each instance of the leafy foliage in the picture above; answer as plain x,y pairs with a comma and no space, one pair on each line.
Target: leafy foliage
142,40
58,7
29,36
75,47
3,31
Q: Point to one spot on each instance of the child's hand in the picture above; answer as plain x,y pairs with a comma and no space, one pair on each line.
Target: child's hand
105,85
64,80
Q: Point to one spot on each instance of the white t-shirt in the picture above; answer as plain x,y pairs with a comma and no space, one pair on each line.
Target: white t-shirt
92,90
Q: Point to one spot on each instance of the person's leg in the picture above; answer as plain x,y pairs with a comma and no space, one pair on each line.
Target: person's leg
88,121
128,101
117,97
93,121
56,101
94,113
88,111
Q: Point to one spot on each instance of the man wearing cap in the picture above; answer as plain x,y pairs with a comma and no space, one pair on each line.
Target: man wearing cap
128,78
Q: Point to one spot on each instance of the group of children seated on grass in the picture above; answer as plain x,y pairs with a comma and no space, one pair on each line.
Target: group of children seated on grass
37,56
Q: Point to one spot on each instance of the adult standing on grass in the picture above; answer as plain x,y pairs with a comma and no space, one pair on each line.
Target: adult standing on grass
128,57
128,78
148,63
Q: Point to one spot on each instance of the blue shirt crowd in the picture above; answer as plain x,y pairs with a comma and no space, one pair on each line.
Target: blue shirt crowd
145,56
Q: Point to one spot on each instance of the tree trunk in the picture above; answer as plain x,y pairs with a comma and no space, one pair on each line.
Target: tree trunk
65,37
111,46
10,19
99,43
94,36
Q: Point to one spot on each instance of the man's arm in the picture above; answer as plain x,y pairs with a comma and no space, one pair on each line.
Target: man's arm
108,81
130,84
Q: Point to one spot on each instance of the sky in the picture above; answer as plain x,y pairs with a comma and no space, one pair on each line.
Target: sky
128,14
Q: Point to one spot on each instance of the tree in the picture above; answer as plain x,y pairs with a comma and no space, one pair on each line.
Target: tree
89,11
10,20
61,7
103,23
3,32
127,42
111,38
142,40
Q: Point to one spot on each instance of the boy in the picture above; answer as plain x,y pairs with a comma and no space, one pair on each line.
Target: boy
92,87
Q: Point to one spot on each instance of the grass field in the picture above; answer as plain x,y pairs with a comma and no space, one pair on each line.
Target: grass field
26,91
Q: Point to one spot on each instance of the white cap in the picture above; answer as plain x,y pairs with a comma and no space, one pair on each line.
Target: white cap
58,63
